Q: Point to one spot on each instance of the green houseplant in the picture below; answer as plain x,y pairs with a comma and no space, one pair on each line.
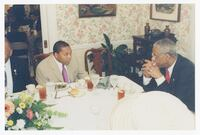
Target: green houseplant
118,57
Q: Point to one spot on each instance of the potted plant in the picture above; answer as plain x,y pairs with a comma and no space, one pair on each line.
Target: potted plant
118,57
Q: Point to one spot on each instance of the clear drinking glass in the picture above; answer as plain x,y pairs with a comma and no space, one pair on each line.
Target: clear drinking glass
95,79
114,81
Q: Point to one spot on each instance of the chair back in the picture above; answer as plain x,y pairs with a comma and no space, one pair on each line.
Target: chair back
97,60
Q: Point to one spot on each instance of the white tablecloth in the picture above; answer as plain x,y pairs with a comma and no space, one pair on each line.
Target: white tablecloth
91,110
88,112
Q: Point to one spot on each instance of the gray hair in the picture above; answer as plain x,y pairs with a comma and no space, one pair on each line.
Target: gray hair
166,46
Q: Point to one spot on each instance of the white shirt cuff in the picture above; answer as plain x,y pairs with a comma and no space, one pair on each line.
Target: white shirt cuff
160,80
146,80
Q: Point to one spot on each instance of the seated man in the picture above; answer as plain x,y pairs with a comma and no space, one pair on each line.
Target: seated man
170,72
58,67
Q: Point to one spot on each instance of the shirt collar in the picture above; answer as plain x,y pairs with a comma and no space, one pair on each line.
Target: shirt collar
59,64
170,69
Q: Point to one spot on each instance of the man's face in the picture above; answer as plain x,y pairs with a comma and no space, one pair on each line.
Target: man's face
8,50
159,58
64,56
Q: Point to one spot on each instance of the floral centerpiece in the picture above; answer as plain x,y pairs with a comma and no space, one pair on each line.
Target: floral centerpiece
24,112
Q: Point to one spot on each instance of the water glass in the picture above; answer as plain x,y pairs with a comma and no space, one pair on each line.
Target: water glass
50,88
31,88
95,79
114,81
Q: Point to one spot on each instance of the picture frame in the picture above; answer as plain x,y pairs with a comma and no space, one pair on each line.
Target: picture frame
165,12
97,10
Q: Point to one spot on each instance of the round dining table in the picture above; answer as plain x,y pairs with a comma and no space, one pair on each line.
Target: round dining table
91,110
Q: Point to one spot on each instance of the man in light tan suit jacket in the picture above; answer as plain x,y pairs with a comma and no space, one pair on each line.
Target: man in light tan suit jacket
50,69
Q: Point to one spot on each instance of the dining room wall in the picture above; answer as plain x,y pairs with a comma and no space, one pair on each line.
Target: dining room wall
84,33
184,30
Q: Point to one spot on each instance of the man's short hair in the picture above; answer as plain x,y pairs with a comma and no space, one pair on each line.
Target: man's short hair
59,45
166,46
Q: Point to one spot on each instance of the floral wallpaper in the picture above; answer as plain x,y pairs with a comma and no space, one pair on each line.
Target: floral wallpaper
129,20
180,29
90,30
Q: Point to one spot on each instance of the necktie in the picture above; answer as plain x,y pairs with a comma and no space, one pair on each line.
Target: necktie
167,75
64,74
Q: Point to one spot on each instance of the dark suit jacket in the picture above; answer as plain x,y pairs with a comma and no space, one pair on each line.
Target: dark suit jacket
182,82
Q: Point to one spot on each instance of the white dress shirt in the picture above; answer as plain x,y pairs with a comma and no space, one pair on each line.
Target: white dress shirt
161,79
60,66
9,78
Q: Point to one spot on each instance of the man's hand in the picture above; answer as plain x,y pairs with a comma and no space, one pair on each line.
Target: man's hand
146,68
155,72
150,69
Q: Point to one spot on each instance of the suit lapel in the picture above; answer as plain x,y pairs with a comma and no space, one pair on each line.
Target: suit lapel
175,69
55,68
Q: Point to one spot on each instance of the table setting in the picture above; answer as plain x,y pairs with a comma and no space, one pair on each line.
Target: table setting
87,103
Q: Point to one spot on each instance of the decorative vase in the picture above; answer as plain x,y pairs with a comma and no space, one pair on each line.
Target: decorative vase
146,29
167,31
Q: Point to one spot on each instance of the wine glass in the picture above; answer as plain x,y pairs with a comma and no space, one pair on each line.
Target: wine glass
114,81
95,79
95,110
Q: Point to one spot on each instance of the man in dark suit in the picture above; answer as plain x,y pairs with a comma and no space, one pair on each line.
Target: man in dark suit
16,69
170,72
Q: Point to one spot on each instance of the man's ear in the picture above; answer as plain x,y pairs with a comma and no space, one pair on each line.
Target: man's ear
56,55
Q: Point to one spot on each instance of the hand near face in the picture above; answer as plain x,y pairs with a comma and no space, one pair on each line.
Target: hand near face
150,69
155,72
146,68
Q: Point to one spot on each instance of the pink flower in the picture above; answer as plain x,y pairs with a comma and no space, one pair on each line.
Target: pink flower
9,108
29,114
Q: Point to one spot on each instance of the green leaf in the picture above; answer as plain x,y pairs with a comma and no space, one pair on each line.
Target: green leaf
55,128
108,44
104,46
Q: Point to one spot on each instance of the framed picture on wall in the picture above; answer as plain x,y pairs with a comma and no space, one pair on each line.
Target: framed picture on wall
97,10
165,12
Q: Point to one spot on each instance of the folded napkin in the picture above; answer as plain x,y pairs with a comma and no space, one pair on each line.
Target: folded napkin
104,83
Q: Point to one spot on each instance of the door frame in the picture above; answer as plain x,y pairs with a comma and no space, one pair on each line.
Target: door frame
48,26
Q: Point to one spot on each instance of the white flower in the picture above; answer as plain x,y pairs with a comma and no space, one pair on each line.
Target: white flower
20,124
19,110
37,115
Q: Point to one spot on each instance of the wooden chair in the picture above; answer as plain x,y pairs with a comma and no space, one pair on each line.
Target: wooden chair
38,58
97,60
